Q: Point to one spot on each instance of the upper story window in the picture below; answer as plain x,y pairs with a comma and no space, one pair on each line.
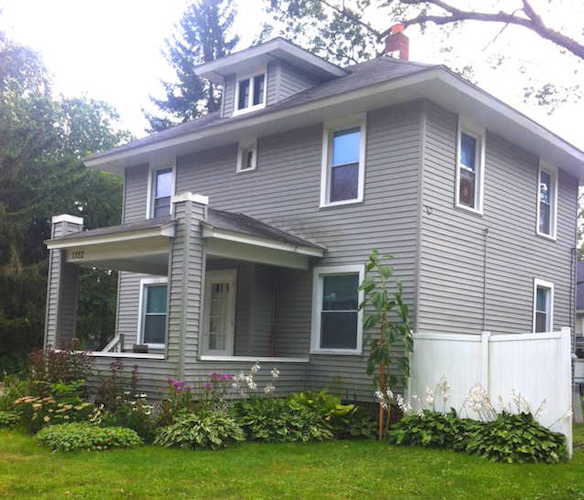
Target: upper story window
543,306
547,195
161,190
343,166
154,311
250,93
337,321
247,156
470,168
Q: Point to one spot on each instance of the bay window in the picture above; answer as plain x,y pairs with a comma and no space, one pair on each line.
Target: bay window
337,321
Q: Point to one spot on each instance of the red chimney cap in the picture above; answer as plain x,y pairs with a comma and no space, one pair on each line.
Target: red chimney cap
397,28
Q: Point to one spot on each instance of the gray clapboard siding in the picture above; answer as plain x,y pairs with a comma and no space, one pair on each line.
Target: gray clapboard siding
285,191
452,289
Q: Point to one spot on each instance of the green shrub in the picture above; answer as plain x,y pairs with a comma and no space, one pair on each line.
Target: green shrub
211,430
11,389
346,420
8,419
35,413
275,420
84,436
518,438
135,414
432,429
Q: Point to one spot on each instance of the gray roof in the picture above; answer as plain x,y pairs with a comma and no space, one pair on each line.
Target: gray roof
220,219
243,224
580,285
381,69
122,228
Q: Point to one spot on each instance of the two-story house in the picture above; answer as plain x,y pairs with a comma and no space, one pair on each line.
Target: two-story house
245,232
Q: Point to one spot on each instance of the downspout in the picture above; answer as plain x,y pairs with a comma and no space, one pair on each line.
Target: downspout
485,253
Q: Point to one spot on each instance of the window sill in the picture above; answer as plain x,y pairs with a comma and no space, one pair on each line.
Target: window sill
133,355
341,203
253,359
546,236
246,171
337,352
257,107
472,211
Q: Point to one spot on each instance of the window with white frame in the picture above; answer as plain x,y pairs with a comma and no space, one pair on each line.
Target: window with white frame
153,312
343,168
543,306
161,191
250,93
546,202
337,321
247,156
470,168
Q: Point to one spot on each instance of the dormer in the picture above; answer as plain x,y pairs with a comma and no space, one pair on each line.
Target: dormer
265,74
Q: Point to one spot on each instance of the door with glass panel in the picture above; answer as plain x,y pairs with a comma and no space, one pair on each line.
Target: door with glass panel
219,320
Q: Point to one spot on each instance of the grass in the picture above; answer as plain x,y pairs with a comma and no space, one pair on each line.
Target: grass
342,469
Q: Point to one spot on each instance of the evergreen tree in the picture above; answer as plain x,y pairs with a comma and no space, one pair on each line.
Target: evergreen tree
203,36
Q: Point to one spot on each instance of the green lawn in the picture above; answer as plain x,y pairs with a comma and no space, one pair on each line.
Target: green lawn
350,469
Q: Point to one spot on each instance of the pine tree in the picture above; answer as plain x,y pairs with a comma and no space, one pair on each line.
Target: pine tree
203,36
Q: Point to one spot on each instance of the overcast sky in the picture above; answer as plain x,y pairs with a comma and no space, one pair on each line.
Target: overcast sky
111,50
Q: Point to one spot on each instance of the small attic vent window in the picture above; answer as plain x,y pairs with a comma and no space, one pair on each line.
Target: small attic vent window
251,93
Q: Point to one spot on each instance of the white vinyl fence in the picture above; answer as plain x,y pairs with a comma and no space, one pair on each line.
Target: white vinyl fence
535,365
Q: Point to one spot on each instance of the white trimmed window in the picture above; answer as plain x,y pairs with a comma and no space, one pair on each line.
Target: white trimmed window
250,92
153,312
160,191
247,156
337,326
547,195
470,169
343,162
543,306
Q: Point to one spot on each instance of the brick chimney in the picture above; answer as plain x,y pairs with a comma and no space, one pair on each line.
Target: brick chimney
396,41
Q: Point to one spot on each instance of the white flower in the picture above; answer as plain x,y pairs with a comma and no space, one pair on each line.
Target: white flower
252,386
269,389
255,368
275,373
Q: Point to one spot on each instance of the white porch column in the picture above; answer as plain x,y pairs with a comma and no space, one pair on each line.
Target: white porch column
186,275
62,287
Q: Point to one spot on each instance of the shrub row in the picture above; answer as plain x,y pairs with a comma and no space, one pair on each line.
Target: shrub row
510,438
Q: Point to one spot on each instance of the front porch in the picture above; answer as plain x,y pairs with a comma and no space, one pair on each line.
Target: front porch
200,289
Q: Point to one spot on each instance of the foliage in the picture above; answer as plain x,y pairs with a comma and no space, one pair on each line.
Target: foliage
115,388
391,322
84,436
510,438
346,420
8,418
37,412
11,389
134,413
275,420
517,438
52,366
203,36
42,142
212,430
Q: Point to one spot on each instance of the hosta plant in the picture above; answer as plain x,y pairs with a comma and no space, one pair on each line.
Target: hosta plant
84,436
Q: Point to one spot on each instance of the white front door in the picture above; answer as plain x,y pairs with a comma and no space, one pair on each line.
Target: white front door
219,321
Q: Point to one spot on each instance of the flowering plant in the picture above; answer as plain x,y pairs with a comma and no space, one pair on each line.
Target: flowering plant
36,412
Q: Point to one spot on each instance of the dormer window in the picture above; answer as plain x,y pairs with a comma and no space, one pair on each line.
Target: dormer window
251,93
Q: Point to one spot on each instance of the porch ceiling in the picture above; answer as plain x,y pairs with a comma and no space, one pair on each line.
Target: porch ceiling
141,247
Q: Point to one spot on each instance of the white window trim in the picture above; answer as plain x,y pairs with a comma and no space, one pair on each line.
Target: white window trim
251,107
327,134
140,333
545,284
247,145
553,171
479,134
219,275
150,189
318,273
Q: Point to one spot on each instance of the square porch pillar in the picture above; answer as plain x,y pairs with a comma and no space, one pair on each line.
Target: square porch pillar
62,287
186,275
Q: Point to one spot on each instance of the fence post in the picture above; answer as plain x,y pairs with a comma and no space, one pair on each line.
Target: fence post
567,374
485,337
